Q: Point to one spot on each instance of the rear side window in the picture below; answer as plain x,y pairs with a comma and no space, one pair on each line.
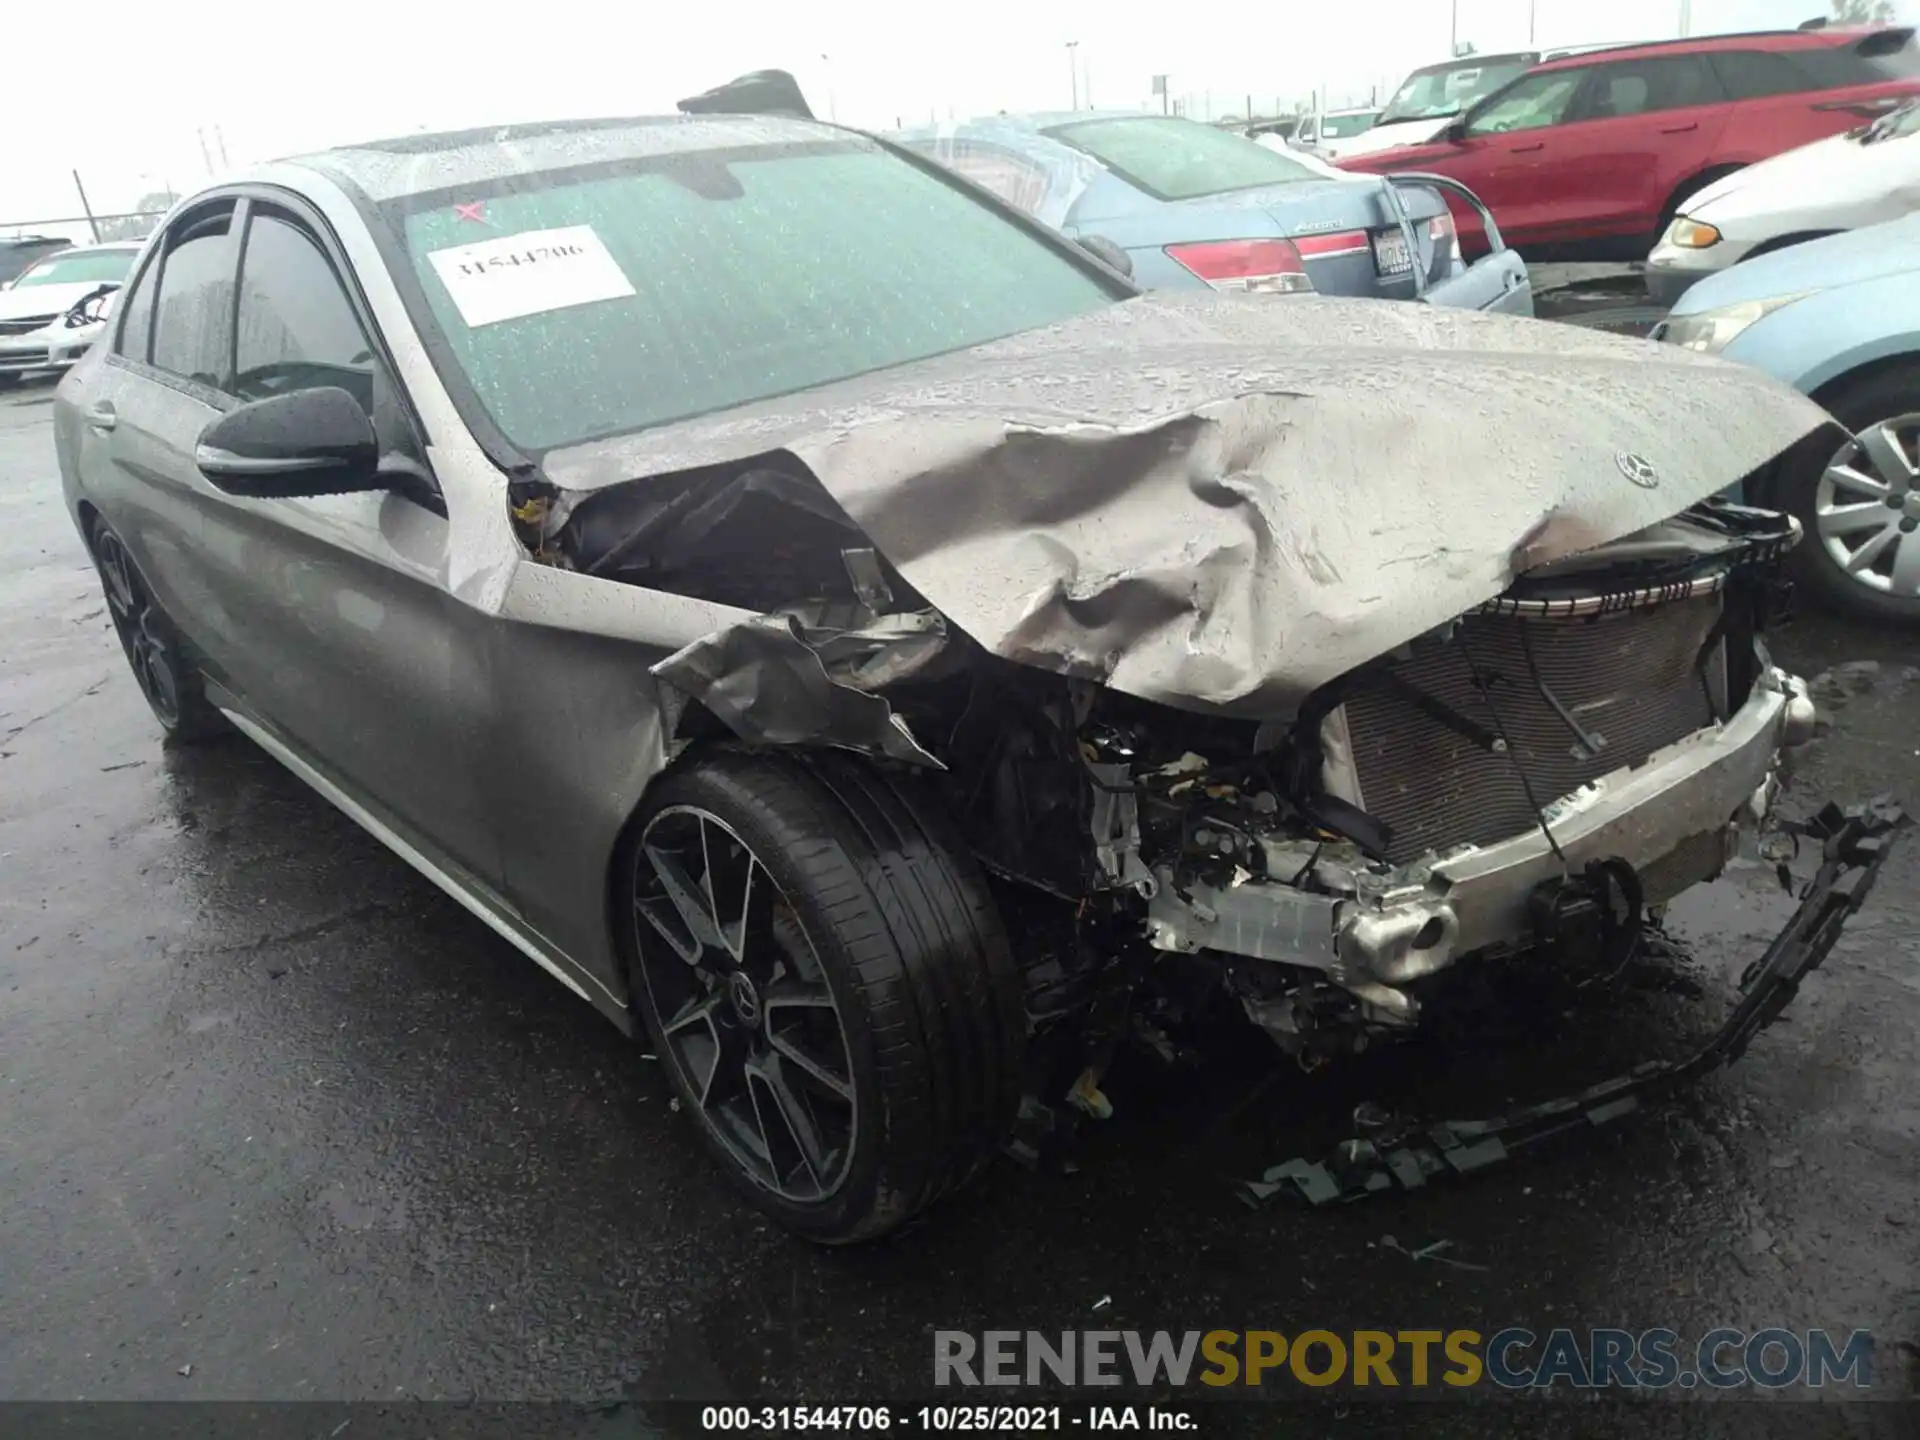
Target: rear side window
1017,180
193,322
1637,87
1174,159
1888,55
296,329
136,331
1756,74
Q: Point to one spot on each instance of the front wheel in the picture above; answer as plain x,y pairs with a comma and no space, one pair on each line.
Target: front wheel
1861,508
828,985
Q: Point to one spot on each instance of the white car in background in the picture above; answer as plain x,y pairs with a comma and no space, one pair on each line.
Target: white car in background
52,312
1844,182
1323,133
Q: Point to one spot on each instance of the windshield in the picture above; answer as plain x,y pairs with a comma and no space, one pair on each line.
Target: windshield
1345,127
1173,159
1442,90
585,307
79,267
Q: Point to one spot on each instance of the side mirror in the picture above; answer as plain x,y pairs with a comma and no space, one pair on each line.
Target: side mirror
1107,253
308,442
1456,130
94,308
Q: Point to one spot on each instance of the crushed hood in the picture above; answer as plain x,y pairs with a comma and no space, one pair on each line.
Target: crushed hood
1224,503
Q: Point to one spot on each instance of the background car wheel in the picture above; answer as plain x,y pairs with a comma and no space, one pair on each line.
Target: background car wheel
1860,506
828,985
153,649
1684,192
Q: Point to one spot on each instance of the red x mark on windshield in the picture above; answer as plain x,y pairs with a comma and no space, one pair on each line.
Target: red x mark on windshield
477,211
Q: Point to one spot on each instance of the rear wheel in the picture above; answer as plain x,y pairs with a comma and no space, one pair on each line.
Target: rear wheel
828,985
168,681
1861,507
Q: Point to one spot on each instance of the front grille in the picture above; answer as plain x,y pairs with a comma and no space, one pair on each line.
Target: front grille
26,325
23,359
1629,677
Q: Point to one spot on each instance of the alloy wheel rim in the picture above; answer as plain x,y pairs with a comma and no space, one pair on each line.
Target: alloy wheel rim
137,621
1866,508
745,1011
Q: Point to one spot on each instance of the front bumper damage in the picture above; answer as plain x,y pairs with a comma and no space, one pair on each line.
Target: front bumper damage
1854,844
1674,819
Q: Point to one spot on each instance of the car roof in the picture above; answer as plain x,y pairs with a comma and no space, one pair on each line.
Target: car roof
413,164
1827,38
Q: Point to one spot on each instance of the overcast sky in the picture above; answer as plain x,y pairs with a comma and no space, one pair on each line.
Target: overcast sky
135,85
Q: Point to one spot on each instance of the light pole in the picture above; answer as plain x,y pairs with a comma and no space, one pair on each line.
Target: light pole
1530,10
833,110
1453,36
1073,69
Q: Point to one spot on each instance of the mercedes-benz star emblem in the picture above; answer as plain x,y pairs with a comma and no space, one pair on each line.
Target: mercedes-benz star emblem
1638,469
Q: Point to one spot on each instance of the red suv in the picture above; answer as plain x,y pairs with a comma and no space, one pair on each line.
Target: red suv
1593,154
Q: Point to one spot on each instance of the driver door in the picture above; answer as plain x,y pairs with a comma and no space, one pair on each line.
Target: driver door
330,613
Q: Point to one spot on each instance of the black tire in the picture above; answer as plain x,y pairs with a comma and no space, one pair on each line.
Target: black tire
1857,405
160,660
898,918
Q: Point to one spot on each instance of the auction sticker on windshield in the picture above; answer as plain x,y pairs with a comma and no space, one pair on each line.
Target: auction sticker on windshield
529,274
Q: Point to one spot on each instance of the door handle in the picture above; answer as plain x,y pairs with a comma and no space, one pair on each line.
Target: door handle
102,417
1526,149
1679,129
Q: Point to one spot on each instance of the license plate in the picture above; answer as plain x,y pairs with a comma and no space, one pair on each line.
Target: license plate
1390,253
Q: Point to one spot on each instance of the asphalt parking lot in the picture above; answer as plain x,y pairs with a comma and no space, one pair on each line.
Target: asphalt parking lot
282,1122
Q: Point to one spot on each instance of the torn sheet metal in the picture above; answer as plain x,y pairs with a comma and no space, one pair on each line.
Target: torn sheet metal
773,681
1223,503
1854,844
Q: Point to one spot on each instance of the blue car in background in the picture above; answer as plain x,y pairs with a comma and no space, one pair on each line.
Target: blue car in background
1189,205
1839,320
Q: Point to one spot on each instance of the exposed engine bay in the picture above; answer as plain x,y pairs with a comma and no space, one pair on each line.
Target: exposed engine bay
1541,773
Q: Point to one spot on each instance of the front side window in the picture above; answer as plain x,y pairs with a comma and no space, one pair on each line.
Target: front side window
1529,104
295,328
80,267
192,323
1442,90
579,305
1173,159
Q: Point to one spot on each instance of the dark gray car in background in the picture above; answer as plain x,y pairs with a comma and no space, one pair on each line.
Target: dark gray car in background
758,574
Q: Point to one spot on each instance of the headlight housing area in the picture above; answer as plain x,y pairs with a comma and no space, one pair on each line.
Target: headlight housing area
1710,331
1686,234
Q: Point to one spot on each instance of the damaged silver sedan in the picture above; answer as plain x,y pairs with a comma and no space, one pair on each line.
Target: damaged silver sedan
834,623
